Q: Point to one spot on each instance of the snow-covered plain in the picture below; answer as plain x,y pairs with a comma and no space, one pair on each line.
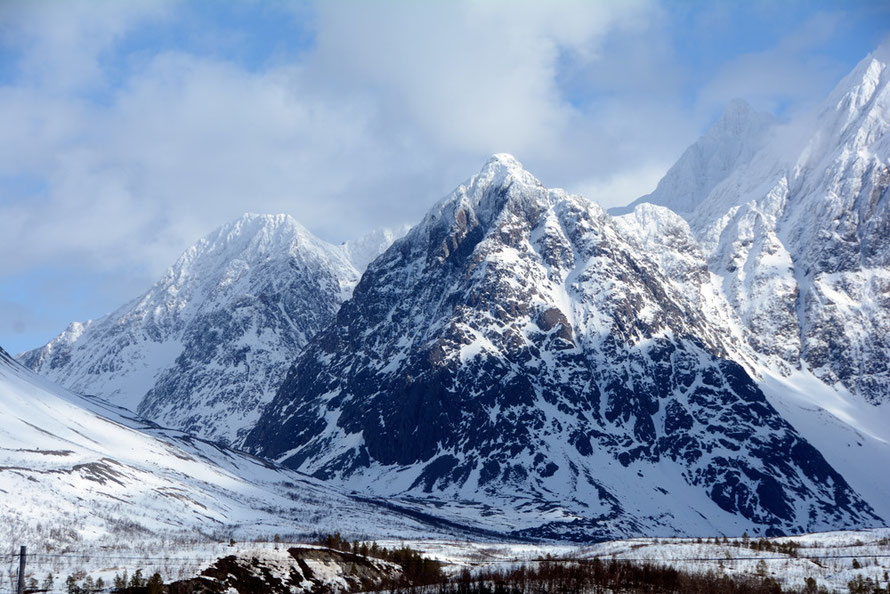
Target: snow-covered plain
827,557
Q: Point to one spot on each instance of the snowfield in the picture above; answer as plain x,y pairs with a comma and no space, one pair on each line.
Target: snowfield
77,474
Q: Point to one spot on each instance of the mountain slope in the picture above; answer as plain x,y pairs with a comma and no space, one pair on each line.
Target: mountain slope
516,351
207,346
73,468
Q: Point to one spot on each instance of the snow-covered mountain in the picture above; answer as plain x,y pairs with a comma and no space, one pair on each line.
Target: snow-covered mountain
729,144
521,355
853,435
208,345
365,249
800,235
77,469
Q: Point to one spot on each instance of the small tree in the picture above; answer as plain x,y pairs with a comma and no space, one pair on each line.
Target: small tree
137,581
155,584
120,581
762,569
71,585
810,586
48,582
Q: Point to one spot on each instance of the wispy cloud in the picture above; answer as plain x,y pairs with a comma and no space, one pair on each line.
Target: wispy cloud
794,70
138,162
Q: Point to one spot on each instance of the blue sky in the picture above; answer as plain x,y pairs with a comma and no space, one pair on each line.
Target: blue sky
130,129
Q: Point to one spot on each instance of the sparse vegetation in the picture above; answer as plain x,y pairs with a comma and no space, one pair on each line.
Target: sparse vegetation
81,583
861,585
417,569
811,564
764,545
597,577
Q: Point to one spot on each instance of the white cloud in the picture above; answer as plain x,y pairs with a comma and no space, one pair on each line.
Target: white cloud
394,105
791,71
62,43
623,187
469,76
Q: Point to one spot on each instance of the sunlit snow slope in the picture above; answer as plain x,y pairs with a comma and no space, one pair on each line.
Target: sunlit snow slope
799,233
75,468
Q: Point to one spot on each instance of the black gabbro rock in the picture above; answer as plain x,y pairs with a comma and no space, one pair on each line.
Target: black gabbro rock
515,350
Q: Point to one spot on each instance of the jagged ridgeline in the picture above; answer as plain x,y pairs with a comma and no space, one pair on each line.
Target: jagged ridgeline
516,351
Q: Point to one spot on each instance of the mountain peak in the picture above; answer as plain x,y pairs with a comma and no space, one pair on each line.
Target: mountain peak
253,238
739,121
502,169
737,110
269,226
365,249
504,160
859,88
205,347
728,144
481,198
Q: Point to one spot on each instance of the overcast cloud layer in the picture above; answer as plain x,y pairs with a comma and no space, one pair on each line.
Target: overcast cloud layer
128,130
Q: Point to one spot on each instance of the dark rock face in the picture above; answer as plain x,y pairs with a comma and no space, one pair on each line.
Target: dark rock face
233,354
851,259
515,350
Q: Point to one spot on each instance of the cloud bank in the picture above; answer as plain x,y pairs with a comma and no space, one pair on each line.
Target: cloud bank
129,129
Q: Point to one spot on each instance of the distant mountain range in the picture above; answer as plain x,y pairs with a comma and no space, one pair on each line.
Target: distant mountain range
714,358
